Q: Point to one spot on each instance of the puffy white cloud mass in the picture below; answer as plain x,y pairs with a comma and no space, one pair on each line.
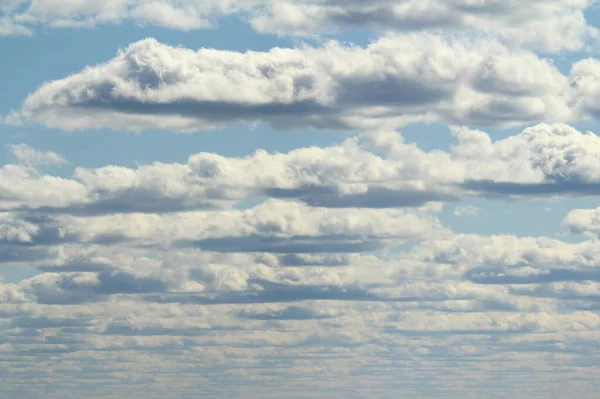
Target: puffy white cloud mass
344,262
550,25
451,301
350,270
584,221
375,170
394,81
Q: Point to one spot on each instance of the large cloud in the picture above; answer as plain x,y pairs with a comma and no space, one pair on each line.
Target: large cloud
549,25
183,307
274,226
377,170
393,81
509,260
562,22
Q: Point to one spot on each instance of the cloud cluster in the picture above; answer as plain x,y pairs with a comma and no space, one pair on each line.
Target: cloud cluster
548,25
394,81
328,268
452,299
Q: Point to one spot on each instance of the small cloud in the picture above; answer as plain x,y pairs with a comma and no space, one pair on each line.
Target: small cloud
12,119
466,210
32,157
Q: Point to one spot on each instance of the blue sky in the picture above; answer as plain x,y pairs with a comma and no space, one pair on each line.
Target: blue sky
308,198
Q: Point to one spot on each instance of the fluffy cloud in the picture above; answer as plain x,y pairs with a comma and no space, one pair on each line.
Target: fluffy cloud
393,81
274,226
512,261
340,280
584,221
563,21
376,170
190,307
14,230
549,25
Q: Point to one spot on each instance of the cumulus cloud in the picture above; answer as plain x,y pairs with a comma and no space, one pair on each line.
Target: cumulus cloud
10,293
548,25
394,81
375,170
274,226
69,288
510,260
189,306
16,230
563,21
341,268
584,221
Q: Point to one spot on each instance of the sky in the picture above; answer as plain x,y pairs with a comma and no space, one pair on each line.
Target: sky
300,199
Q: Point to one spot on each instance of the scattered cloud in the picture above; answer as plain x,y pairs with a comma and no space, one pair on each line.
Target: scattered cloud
31,157
327,268
466,211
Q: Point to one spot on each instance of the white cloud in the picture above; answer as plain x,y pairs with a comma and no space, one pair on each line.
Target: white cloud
15,230
394,81
548,25
375,170
9,28
31,157
377,313
20,186
466,210
584,221
274,226
343,275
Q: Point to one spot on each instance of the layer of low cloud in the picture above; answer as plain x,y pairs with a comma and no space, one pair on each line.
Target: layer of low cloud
340,280
376,170
394,81
452,297
547,25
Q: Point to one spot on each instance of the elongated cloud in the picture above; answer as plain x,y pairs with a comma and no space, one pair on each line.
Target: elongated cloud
394,81
376,170
548,25
274,226
32,157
